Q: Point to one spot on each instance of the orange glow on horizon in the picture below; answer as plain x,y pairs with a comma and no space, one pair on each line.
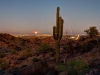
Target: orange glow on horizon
35,32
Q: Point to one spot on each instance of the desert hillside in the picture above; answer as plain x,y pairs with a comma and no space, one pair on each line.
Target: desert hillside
36,55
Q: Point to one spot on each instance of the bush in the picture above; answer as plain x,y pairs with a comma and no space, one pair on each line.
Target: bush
2,54
2,63
74,67
26,53
43,48
13,51
68,49
83,38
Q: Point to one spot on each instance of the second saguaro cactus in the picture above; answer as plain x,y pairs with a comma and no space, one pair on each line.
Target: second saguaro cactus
58,33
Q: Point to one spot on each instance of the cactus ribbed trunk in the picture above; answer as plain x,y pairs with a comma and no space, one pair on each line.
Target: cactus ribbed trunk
57,51
58,33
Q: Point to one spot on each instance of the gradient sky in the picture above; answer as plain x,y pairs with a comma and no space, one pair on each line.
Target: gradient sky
27,16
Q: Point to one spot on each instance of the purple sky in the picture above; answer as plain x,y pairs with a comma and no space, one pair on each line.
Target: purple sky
27,16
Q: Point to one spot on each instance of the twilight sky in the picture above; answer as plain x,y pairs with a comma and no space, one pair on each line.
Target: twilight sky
27,16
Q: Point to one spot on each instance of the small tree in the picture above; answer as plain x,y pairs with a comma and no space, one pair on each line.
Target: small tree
92,31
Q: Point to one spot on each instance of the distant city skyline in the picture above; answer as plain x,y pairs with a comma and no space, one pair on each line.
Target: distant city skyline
28,16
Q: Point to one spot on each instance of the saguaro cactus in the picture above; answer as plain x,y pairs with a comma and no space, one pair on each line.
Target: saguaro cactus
57,34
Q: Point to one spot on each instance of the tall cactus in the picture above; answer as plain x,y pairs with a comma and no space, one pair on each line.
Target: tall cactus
57,34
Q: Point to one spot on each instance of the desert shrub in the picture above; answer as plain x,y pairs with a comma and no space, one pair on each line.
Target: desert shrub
35,60
62,67
26,53
2,63
86,47
74,67
68,48
42,68
43,48
2,54
13,51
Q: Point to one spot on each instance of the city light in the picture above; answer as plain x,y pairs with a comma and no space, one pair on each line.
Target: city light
35,32
77,37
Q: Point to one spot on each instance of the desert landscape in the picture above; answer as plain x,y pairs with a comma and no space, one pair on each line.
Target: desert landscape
36,56
35,40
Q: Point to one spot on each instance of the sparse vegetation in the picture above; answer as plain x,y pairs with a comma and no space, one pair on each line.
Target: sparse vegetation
46,47
26,53
74,67
13,51
2,63
2,54
68,48
43,48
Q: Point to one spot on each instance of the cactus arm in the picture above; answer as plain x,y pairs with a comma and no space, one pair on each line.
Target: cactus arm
60,27
62,21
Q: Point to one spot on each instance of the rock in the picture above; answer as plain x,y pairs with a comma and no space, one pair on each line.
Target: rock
94,72
91,73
